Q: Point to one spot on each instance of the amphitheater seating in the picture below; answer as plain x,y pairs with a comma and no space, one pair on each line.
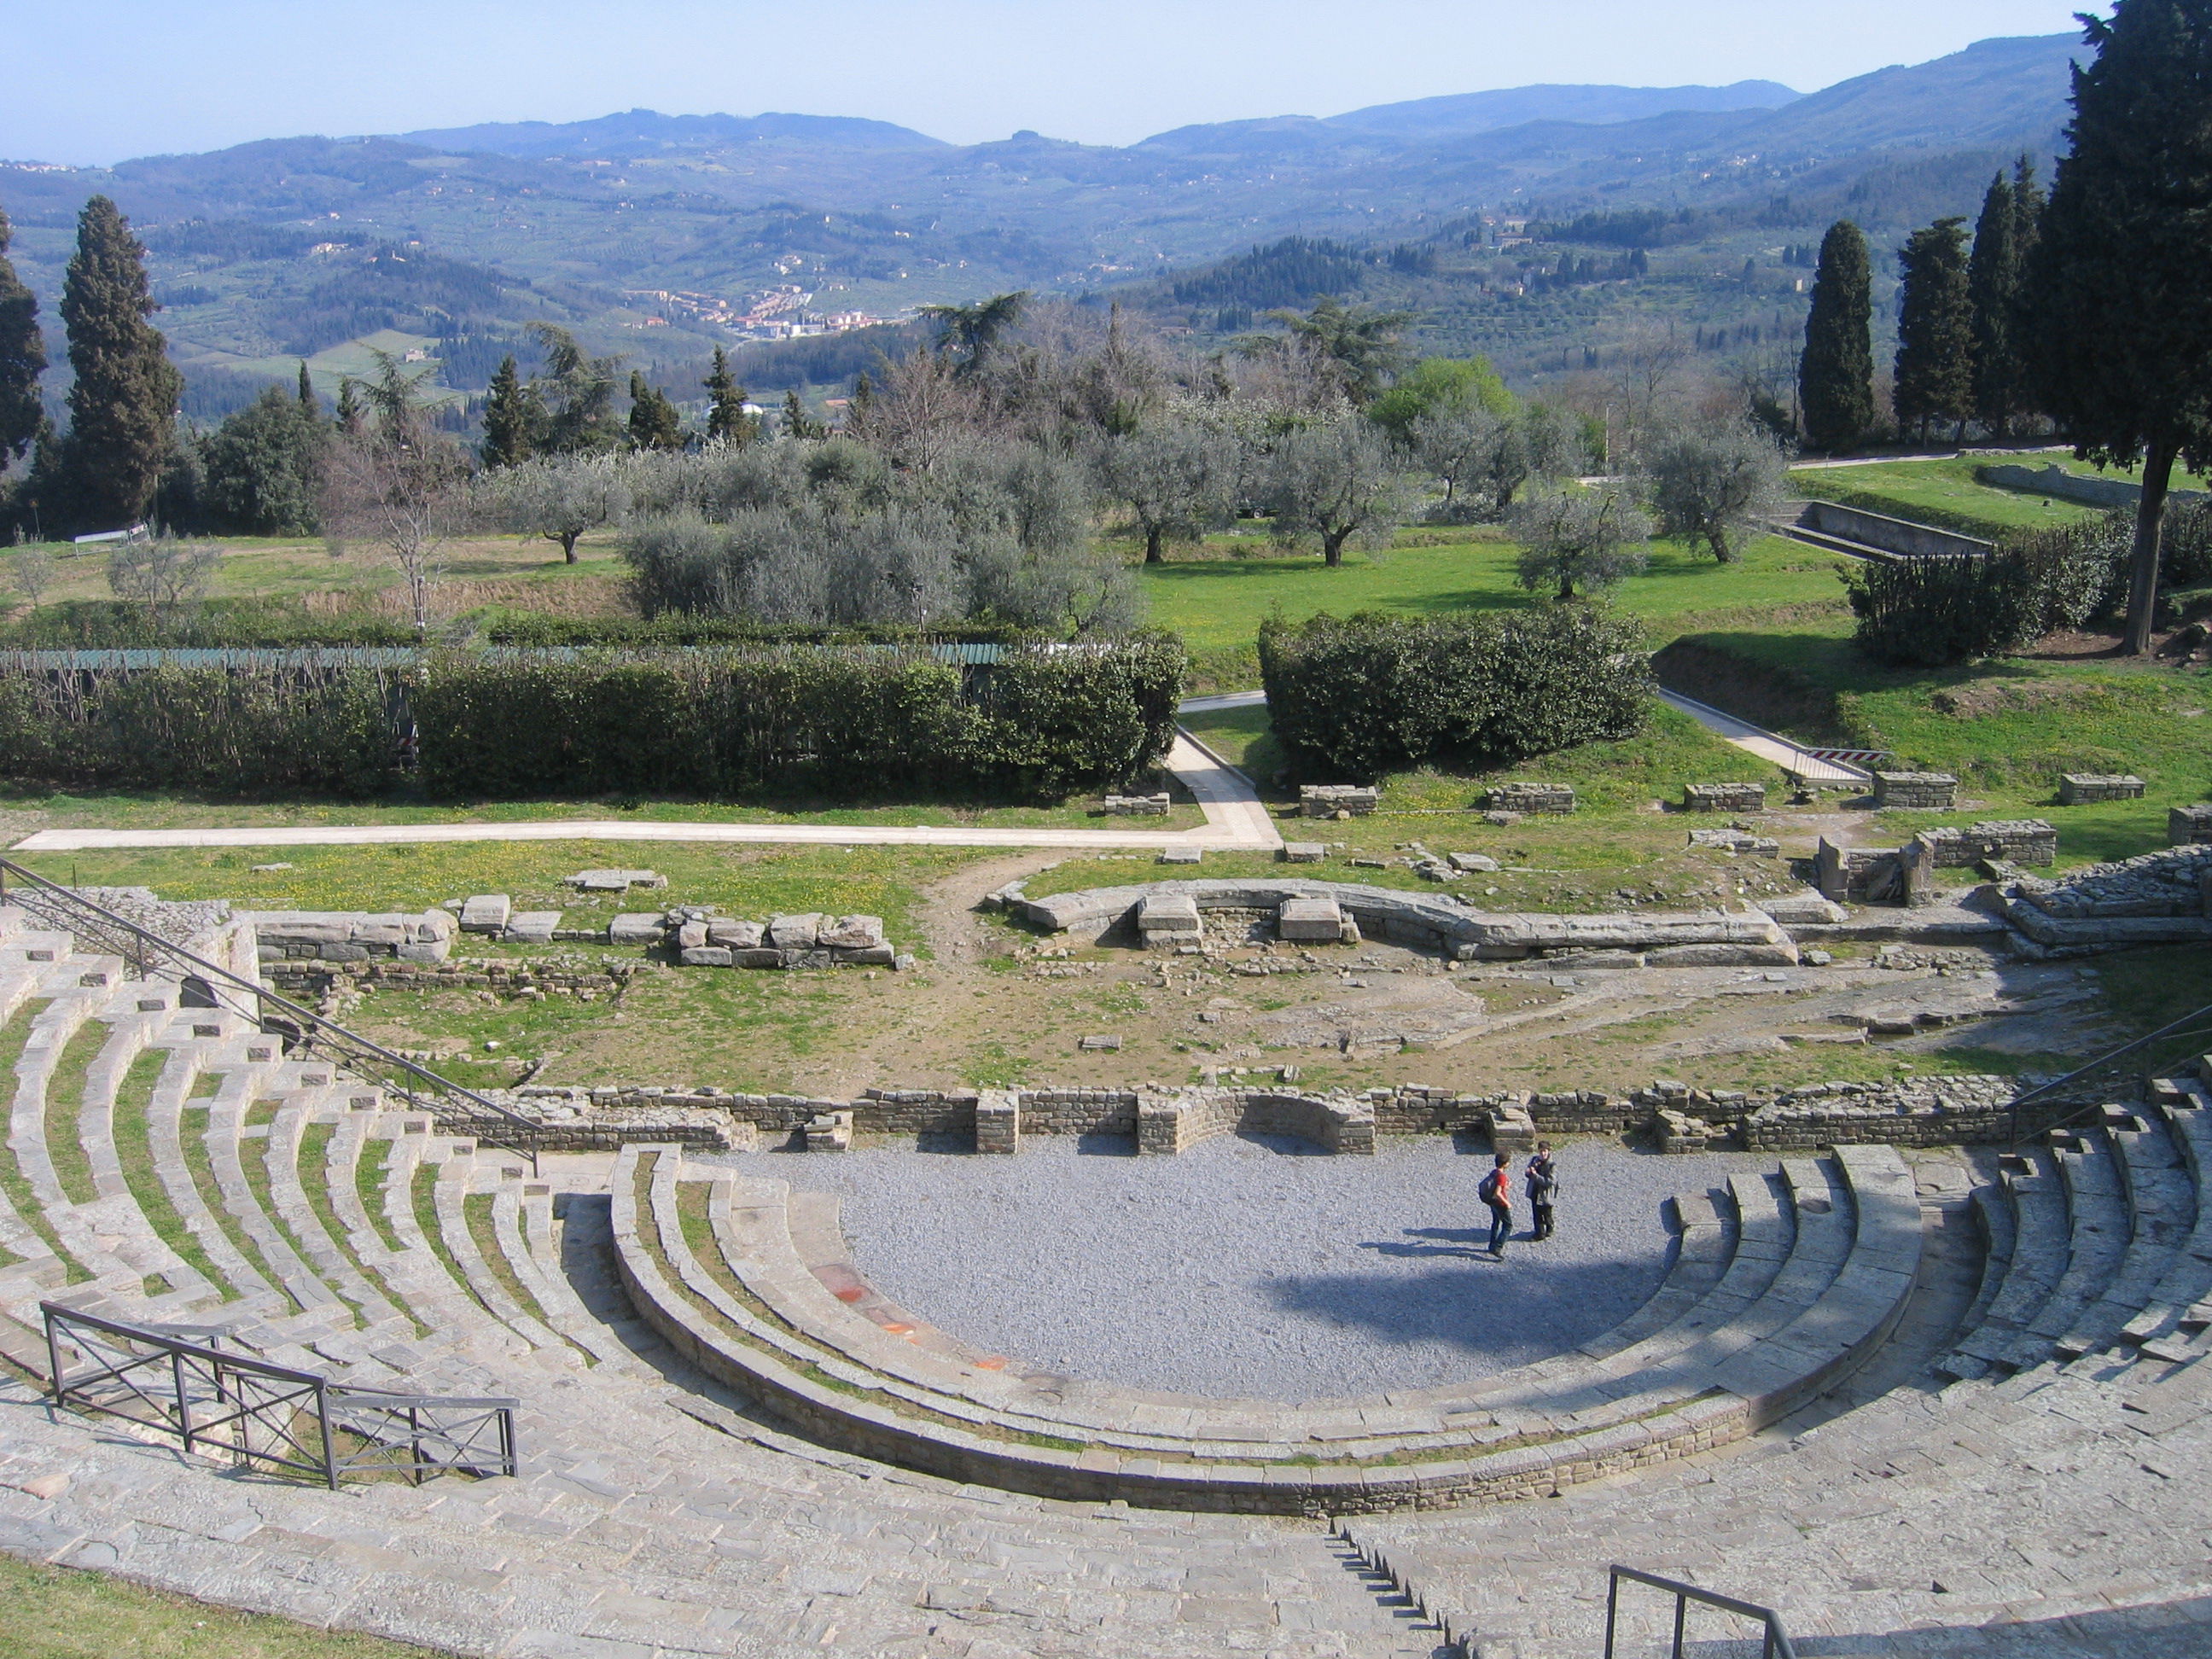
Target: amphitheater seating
166,1164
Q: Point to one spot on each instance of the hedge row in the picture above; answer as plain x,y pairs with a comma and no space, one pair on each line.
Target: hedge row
1358,698
1042,723
115,624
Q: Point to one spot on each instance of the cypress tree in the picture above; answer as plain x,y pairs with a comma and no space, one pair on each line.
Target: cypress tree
1935,328
726,420
308,404
123,409
654,421
1993,286
795,423
22,358
2121,341
510,418
1836,375
349,414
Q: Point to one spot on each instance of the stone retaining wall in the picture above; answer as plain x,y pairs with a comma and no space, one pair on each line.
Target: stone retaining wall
1916,791
2079,788
1725,798
1555,799
2019,841
351,936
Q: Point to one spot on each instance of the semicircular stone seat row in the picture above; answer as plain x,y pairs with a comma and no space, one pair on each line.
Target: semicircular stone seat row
164,1162
1774,1295
2067,1414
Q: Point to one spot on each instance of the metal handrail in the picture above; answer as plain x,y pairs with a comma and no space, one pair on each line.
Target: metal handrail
178,1380
513,1131
1777,1645
2196,1025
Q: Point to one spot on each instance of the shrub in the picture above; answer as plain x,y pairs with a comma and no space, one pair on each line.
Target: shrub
1373,694
855,722
1932,611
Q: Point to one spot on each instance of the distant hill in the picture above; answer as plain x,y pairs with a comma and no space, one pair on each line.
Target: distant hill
641,133
1486,112
1995,92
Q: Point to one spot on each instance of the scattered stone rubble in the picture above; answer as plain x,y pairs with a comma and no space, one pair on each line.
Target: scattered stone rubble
702,939
192,923
1736,840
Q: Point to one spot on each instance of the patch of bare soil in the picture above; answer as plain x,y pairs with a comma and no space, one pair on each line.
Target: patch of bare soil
1986,697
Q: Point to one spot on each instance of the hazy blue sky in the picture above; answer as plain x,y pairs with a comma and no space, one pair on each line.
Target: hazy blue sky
95,82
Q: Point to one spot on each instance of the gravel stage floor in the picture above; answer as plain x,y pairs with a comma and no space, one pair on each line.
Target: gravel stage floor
1249,1267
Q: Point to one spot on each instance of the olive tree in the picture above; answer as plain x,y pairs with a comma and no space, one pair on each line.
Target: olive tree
1177,478
1336,481
1577,541
559,497
1714,481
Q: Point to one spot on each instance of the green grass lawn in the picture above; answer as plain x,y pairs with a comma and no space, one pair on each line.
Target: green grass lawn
1216,603
54,1613
1912,489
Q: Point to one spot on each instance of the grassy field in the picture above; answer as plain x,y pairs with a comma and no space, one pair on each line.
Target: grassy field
1218,601
56,1613
1908,488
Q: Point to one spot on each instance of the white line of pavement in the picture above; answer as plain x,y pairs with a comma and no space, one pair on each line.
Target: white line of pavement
1236,821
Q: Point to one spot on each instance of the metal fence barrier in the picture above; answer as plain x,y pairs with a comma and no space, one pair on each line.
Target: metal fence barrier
180,1380
1776,1643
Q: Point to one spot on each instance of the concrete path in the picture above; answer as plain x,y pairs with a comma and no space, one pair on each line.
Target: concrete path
1235,820
1756,740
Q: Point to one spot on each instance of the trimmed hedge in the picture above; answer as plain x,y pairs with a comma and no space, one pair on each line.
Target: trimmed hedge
1375,694
1932,611
1042,723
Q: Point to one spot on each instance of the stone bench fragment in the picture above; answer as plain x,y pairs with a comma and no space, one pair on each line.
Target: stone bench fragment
1102,1045
1165,921
1804,909
1304,852
616,881
352,936
1183,855
1329,800
1924,792
738,935
795,933
532,926
1556,799
487,913
2079,788
1472,864
1725,798
1309,920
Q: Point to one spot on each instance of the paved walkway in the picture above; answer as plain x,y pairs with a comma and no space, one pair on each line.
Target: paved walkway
1757,740
1235,820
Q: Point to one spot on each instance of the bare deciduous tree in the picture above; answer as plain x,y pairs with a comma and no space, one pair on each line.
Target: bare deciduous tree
408,499
164,574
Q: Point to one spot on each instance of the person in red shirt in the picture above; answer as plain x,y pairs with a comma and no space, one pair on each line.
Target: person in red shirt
1497,1191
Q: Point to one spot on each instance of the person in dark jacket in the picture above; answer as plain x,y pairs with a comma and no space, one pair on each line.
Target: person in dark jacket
1543,1181
1497,1192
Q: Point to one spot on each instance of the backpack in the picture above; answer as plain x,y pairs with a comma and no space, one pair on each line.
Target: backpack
1492,1190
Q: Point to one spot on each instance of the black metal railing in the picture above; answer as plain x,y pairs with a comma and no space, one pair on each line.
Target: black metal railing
2186,1039
1776,1644
180,1380
457,1109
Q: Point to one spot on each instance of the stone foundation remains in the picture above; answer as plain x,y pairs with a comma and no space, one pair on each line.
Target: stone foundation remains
1556,798
2017,840
1918,790
2080,788
1138,807
2160,898
351,936
1725,798
2189,826
1328,800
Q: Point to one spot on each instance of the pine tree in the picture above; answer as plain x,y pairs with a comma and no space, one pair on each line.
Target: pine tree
654,421
726,420
795,423
349,416
1935,328
1836,375
2121,337
1993,288
22,358
511,418
123,408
